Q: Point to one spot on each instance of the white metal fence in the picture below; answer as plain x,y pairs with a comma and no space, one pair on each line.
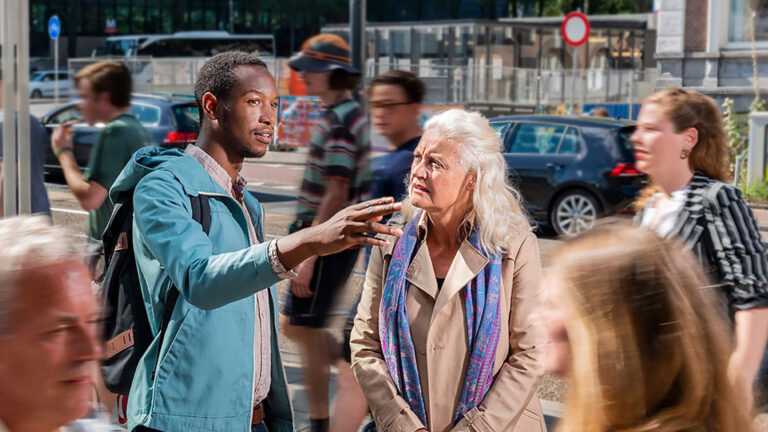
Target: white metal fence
445,84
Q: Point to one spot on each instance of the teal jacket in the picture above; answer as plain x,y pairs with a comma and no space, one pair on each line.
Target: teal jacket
204,380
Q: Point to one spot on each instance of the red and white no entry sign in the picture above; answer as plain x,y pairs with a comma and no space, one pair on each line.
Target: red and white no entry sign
575,28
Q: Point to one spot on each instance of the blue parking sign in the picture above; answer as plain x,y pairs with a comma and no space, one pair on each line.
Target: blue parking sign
54,27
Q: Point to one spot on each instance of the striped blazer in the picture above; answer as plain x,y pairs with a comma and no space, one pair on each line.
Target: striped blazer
718,226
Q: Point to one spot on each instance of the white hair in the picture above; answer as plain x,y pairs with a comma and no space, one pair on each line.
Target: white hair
27,243
495,202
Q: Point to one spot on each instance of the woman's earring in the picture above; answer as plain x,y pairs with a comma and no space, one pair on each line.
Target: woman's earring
684,154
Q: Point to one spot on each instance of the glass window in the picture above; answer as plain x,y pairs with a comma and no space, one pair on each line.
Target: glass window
570,144
627,147
147,114
501,129
187,117
65,115
738,21
536,138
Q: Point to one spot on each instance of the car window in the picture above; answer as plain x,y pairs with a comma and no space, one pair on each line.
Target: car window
501,129
146,114
535,138
187,117
627,147
63,77
48,77
37,77
570,144
67,114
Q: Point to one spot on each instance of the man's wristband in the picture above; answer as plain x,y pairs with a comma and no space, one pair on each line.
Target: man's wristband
61,150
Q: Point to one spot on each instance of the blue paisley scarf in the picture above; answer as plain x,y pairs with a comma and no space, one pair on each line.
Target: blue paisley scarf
481,300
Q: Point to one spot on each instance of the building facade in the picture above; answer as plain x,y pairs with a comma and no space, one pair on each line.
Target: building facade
706,46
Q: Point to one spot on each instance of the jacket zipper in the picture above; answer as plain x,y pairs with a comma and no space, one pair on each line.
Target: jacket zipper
255,306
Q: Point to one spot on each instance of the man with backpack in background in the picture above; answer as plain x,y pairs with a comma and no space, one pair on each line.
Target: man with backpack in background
337,174
213,363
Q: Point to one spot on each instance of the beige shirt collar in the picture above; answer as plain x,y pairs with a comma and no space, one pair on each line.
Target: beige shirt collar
216,171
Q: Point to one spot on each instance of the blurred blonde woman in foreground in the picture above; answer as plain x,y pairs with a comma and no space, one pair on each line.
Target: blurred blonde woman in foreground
642,343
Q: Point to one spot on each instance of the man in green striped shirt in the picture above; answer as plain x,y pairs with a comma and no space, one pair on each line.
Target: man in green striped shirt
337,175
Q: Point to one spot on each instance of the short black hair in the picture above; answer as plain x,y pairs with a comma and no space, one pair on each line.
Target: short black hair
217,75
411,84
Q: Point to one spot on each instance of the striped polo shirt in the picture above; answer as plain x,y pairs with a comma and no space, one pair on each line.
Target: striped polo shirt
340,149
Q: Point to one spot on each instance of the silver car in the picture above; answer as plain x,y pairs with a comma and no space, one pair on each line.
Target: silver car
42,84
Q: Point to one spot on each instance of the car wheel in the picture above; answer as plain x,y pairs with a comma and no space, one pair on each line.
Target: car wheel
574,212
37,94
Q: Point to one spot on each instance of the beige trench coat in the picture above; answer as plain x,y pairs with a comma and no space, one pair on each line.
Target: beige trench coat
439,335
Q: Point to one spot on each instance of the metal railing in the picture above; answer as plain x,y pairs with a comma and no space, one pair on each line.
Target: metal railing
476,83
445,84
167,75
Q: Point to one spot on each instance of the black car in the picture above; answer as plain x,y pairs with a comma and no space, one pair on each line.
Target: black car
570,170
172,119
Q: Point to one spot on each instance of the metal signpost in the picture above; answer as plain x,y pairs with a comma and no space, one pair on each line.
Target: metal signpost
54,30
575,30
15,67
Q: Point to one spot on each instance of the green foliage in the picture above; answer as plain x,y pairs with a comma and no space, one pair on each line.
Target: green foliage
735,129
755,192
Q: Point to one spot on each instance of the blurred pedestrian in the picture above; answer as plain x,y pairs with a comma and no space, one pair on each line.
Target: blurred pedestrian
337,175
642,345
442,340
394,101
218,366
38,144
48,327
680,143
104,89
600,112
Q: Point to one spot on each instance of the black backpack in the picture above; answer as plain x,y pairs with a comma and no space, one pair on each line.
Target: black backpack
127,332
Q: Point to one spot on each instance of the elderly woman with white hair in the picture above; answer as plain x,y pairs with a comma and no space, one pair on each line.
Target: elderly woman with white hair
442,338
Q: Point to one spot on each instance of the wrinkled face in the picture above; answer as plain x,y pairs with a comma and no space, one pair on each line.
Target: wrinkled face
554,317
50,352
439,182
391,111
249,115
657,145
91,103
317,83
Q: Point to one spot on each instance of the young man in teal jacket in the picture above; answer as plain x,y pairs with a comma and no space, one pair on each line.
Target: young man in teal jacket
219,368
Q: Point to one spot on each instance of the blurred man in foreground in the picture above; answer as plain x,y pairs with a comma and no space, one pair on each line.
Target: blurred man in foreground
48,328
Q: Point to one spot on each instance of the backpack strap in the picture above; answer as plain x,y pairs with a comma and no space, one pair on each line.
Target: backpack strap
201,213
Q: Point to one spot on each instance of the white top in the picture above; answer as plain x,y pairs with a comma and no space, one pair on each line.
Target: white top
660,215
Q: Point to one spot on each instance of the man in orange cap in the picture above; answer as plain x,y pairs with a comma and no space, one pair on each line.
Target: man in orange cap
337,175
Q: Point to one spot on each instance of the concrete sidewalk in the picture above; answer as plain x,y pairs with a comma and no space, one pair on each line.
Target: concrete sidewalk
761,217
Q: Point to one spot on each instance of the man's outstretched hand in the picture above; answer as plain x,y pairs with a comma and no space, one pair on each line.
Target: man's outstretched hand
349,227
